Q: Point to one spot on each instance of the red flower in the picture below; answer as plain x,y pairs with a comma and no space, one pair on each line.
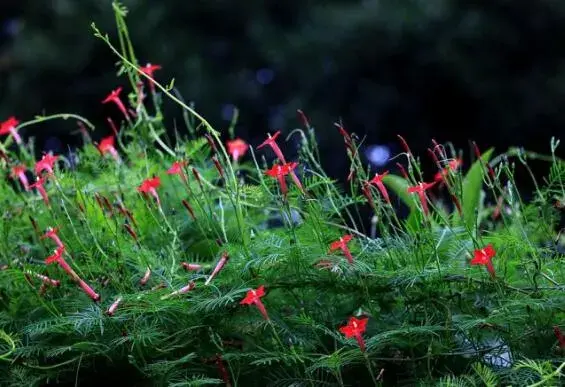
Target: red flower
9,127
19,171
378,181
253,296
420,189
150,186
223,260
114,97
106,145
484,257
237,148
52,234
279,172
57,257
177,169
272,142
38,185
46,164
149,69
341,244
355,328
452,165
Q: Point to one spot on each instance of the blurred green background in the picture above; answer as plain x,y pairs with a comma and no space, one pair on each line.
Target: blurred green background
492,71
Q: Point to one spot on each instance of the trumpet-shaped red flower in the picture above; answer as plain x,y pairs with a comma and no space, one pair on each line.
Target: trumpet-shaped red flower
355,328
9,127
420,189
38,185
237,148
272,142
279,172
253,296
57,257
114,97
46,163
341,244
378,181
149,186
484,257
19,171
452,165
106,145
149,69
223,260
52,234
177,169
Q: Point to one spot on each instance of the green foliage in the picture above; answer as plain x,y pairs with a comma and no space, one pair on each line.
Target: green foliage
164,319
472,187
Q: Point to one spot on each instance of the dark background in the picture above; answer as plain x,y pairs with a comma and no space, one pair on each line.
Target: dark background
492,71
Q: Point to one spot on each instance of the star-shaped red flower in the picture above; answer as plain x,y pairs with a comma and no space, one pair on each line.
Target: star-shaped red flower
176,167
378,182
253,296
150,186
237,148
114,97
8,126
106,144
279,172
484,257
341,244
421,189
46,163
355,328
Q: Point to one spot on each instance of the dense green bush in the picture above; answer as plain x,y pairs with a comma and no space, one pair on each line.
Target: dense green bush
185,264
